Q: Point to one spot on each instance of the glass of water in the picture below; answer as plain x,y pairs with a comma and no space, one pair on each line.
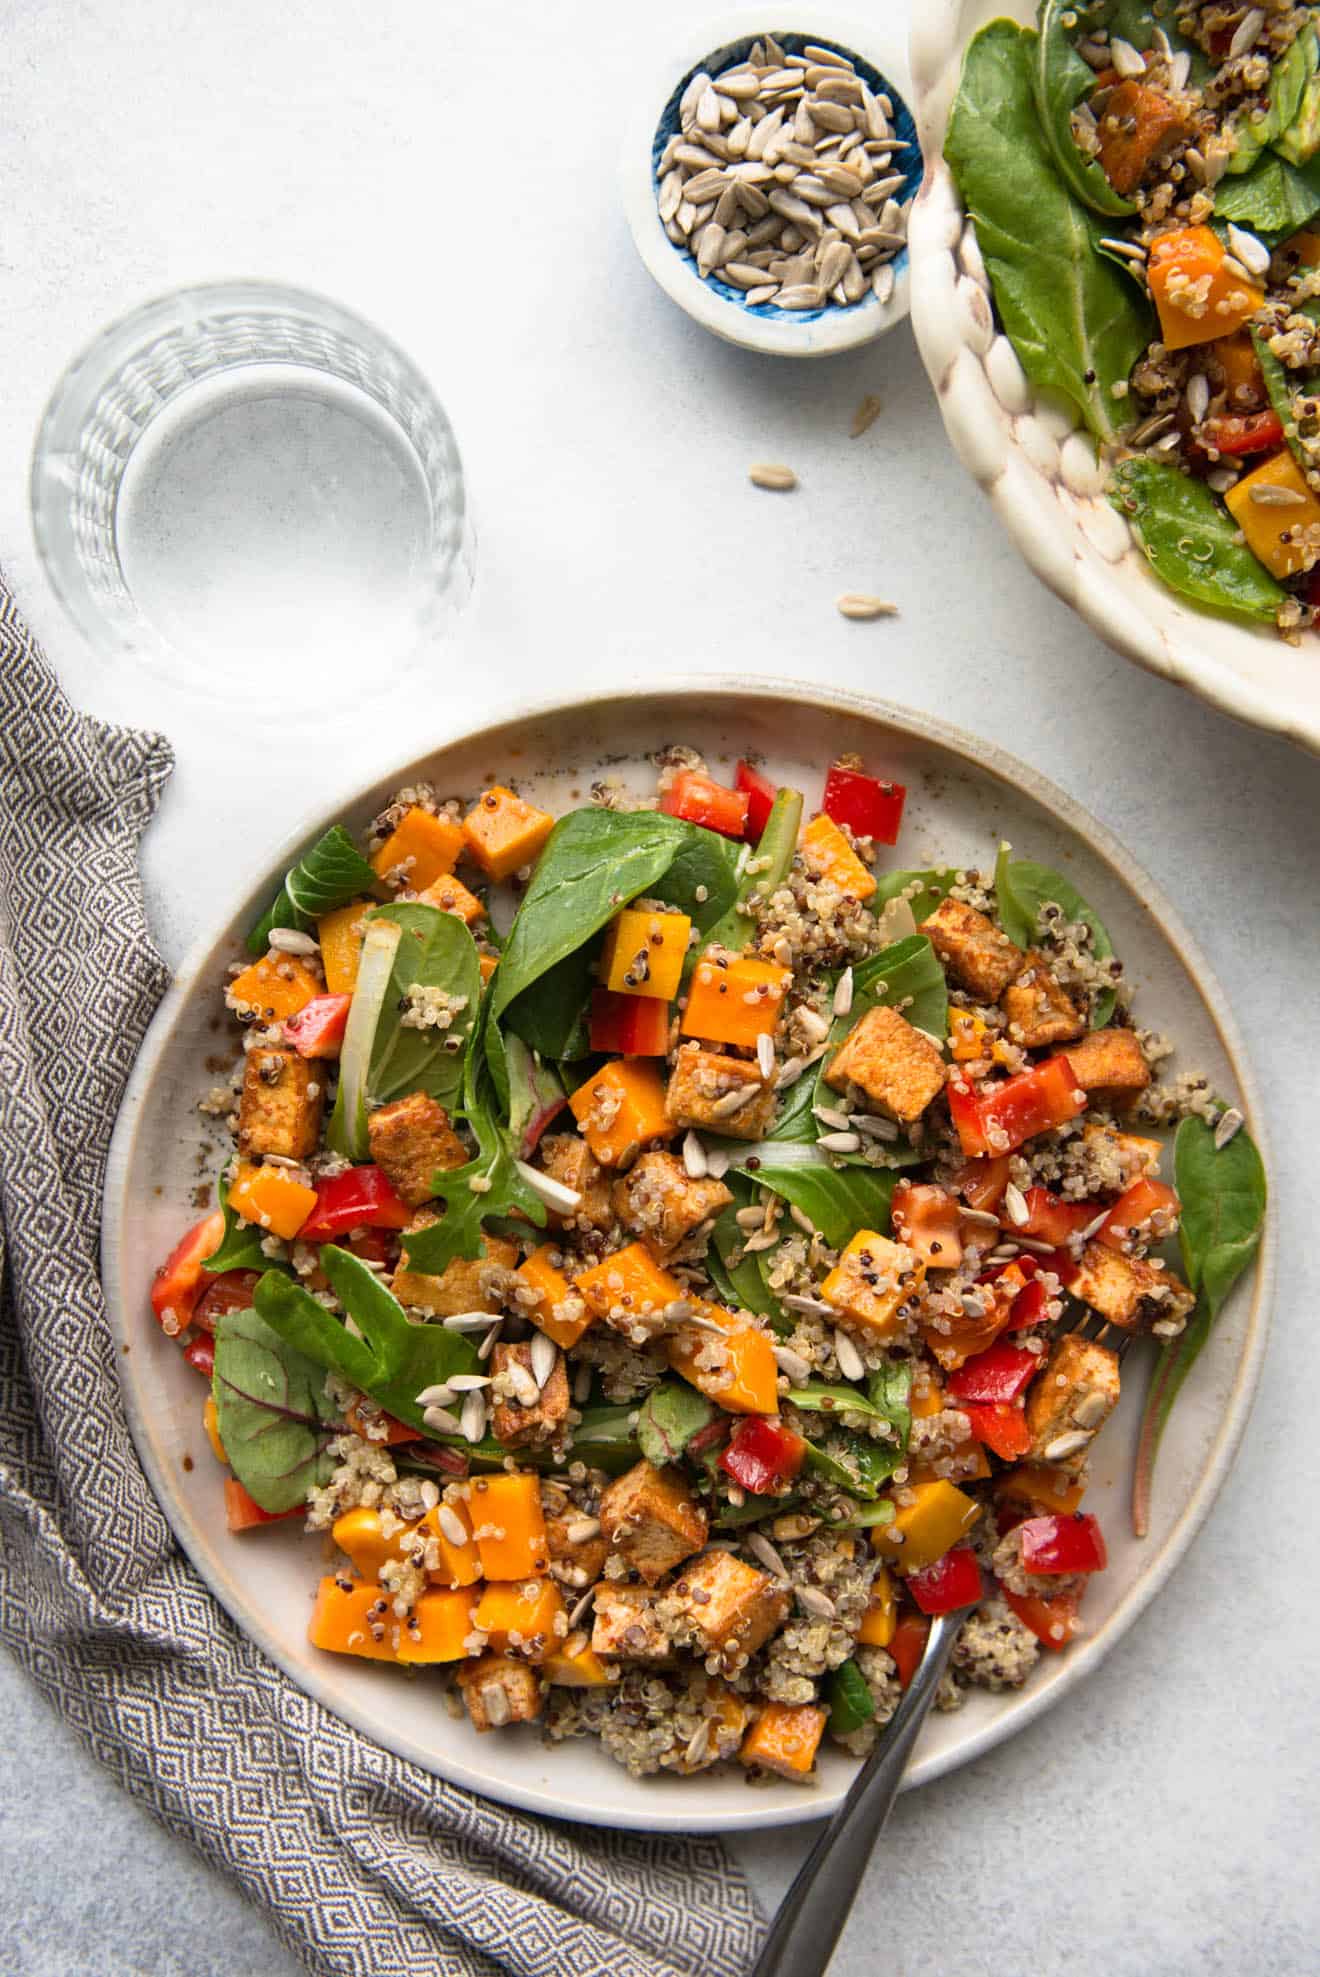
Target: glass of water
255,492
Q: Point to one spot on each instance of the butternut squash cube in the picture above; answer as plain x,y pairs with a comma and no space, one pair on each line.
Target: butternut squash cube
560,1311
340,937
487,963
967,1035
731,1606
652,1519
871,1282
503,833
737,1372
927,1523
1197,297
881,1616
498,1691
827,854
785,1738
437,1629
734,999
1285,540
631,1292
644,953
1042,1487
270,1198
519,1617
272,989
361,1536
211,1423
581,1669
353,1620
509,1525
450,895
621,1110
420,850
447,1563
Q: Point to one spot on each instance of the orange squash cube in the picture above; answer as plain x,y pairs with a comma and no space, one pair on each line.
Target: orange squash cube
518,1617
1043,1487
452,896
881,1616
966,1035
340,936
503,833
437,1629
1198,299
1136,125
211,1423
1276,535
459,1564
562,1314
827,854
785,1738
870,1283
644,953
738,1372
348,1622
929,1521
487,963
270,1198
583,1669
630,1291
622,1109
276,987
508,1524
734,1000
420,849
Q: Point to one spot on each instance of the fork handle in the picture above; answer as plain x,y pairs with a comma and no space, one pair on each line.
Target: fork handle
812,1914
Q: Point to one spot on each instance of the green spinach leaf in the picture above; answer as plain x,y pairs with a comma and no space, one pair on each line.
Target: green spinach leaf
435,950
1021,889
1191,541
331,874
853,1463
1258,127
850,1700
906,977
603,1439
823,1397
239,1248
1274,198
1077,324
1300,142
889,1391
936,884
740,1284
1279,387
704,864
1060,80
836,1200
272,1411
773,859
671,1415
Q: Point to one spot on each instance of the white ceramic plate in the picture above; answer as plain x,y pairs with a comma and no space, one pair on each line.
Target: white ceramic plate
963,797
1023,448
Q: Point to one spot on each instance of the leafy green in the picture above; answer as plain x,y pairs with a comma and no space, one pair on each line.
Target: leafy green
867,1515
823,1397
239,1247
1274,198
850,1699
671,1415
853,1463
936,884
777,844
435,951
272,1411
1224,1195
331,874
1288,85
739,1284
536,1092
347,1131
1190,540
603,1439
1077,324
1060,79
1300,142
733,1516
707,863
908,977
1279,387
1021,889
836,1200
889,1391
1134,21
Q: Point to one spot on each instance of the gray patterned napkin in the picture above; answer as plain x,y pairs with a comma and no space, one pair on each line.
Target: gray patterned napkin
364,1863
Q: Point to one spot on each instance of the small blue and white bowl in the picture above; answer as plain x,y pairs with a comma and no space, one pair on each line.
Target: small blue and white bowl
879,53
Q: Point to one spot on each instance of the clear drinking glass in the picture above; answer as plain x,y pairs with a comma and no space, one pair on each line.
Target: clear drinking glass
254,491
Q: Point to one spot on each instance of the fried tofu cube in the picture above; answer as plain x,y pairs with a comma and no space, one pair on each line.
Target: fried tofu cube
1070,1400
409,1140
716,1094
871,1282
897,1066
1135,1157
652,1520
1038,1007
283,1099
567,1158
576,1560
517,1419
1118,1286
1109,1061
659,1200
499,1690
733,1607
980,958
627,1625
458,1286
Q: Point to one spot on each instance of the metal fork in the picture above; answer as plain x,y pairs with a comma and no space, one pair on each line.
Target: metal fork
813,1912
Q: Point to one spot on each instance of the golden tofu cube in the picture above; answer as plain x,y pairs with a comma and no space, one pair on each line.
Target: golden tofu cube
1109,1061
897,1066
1070,1399
499,1690
627,1626
458,1286
409,1140
871,1282
1118,1286
517,1422
733,1607
567,1158
283,1100
659,1200
712,1093
652,1520
980,958
575,1561
1039,1009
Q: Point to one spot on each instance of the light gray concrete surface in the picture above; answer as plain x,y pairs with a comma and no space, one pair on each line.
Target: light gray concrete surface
1161,1819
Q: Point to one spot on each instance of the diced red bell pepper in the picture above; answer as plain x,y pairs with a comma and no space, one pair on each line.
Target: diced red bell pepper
909,1644
1053,1621
982,1182
1252,432
200,1354
177,1284
760,793
629,1025
244,1513
230,1291
762,1455
951,1582
698,800
1001,1427
868,805
1000,1117
318,1028
374,1245
1063,1544
360,1197
1001,1374
1148,1210
925,1219
396,1432
1050,1218
1028,1307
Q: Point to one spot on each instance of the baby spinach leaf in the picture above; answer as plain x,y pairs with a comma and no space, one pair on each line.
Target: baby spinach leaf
1300,142
536,1092
239,1247
331,874
740,1284
935,885
435,950
736,1516
1274,198
1021,889
705,863
906,977
1060,80
1257,126
671,1415
824,1397
1077,324
1279,387
867,1515
1134,21
889,1391
853,1462
836,1200
777,845
603,1439
272,1411
850,1700
1191,541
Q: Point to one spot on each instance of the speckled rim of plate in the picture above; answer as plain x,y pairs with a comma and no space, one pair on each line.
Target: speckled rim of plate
785,1805
882,46
1024,448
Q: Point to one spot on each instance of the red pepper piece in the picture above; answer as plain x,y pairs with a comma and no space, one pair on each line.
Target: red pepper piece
200,1355
1252,432
981,1183
926,1219
760,793
1051,1219
762,1455
1148,1210
230,1291
1000,1427
629,1025
1001,1374
951,1582
698,800
1000,1117
374,1245
177,1284
244,1513
397,1433
1028,1307
868,805
1063,1544
1053,1621
908,1645
318,1028
360,1197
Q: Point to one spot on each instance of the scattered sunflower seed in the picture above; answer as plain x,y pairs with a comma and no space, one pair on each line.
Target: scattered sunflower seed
769,475
858,604
865,416
851,1364
1229,1123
